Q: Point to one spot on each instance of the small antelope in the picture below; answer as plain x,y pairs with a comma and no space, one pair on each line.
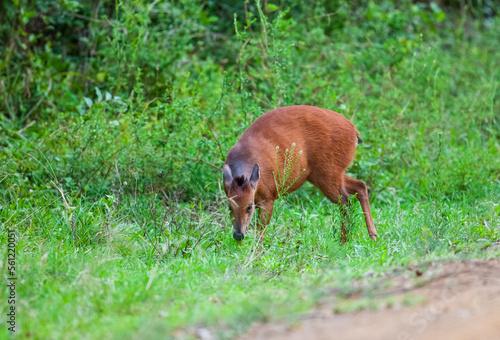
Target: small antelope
328,141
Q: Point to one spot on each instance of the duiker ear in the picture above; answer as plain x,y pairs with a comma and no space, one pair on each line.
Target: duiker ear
227,175
254,178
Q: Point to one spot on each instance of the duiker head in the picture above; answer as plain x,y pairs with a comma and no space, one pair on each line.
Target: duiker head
240,192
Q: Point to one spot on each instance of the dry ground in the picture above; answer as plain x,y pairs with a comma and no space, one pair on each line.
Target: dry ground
458,300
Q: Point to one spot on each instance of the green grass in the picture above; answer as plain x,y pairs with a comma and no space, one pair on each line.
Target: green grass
119,289
141,245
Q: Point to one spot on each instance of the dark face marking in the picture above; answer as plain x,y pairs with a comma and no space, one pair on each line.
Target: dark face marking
241,195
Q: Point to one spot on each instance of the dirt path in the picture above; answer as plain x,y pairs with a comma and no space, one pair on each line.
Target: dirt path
461,300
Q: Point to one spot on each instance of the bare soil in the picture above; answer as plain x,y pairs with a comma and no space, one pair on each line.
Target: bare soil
458,300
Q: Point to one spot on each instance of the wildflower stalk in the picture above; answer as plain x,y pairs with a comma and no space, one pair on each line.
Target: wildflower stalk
282,177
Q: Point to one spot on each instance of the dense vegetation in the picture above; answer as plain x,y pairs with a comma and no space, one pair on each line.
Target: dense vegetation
115,119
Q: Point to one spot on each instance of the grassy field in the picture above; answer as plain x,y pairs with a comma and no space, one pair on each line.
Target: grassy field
111,154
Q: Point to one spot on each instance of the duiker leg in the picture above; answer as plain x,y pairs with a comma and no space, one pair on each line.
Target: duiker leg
265,214
336,194
345,205
353,186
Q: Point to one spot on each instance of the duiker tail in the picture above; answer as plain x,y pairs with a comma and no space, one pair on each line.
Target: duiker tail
360,141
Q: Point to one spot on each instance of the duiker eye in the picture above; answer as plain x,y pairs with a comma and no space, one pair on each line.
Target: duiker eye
249,208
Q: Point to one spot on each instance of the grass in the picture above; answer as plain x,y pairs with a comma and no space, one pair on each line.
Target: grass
122,228
119,288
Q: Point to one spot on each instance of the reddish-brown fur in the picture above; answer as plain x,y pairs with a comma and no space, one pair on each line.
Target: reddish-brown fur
328,142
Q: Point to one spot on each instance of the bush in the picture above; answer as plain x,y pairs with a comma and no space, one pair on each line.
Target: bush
161,91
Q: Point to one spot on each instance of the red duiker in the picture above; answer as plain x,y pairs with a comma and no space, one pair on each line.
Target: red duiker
328,141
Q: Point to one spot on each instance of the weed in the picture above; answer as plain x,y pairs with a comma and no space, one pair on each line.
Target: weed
282,176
